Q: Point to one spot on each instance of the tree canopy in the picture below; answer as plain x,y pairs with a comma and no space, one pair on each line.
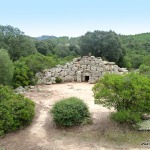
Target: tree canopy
6,68
128,94
16,42
102,44
137,47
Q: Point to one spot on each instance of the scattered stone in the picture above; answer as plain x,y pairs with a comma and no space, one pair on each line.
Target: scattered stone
20,89
48,83
146,116
144,125
32,87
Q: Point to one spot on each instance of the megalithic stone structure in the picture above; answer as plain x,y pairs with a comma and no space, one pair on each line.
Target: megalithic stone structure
85,69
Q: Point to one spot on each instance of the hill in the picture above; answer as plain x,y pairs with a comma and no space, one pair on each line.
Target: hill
137,47
45,37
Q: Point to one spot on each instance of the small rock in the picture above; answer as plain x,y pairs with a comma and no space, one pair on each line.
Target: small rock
146,116
19,89
144,126
48,83
32,87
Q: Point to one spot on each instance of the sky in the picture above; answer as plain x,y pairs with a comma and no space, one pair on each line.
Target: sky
74,18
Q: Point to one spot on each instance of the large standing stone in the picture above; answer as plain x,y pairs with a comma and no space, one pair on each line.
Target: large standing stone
78,76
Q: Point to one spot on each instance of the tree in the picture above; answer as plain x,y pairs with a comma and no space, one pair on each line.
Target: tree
128,94
27,67
145,67
16,42
137,47
38,62
102,44
6,68
23,76
16,111
74,49
61,50
61,40
44,47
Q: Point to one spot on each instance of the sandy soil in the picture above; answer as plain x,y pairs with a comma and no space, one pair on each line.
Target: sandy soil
42,134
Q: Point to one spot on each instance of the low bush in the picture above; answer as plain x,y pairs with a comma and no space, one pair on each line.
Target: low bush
58,80
126,116
70,112
38,62
128,94
6,68
27,67
16,111
23,76
145,66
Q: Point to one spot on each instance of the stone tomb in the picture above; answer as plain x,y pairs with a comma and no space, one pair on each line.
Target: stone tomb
85,69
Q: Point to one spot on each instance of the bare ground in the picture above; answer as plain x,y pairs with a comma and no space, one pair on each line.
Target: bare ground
42,134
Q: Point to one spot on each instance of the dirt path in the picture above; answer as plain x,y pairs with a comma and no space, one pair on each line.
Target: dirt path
42,133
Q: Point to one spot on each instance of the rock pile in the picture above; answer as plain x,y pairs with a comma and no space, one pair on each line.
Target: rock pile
87,68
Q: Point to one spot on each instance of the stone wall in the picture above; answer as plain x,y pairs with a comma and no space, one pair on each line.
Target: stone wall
87,68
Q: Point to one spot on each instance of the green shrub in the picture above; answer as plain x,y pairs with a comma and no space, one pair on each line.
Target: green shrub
6,68
145,67
58,80
38,62
16,111
126,116
70,112
23,76
128,92
27,67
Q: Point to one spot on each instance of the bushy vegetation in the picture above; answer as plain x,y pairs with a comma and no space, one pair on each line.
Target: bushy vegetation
16,111
127,51
128,94
145,67
23,75
27,67
58,80
126,116
17,44
102,44
38,62
6,68
137,47
70,112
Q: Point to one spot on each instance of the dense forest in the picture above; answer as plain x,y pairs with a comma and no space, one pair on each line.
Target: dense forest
21,56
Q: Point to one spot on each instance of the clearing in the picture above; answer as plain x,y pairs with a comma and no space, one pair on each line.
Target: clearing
42,134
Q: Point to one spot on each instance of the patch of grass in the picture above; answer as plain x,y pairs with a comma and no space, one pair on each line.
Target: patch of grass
131,137
115,135
107,135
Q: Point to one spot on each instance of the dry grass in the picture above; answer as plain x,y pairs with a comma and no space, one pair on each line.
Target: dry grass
106,133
